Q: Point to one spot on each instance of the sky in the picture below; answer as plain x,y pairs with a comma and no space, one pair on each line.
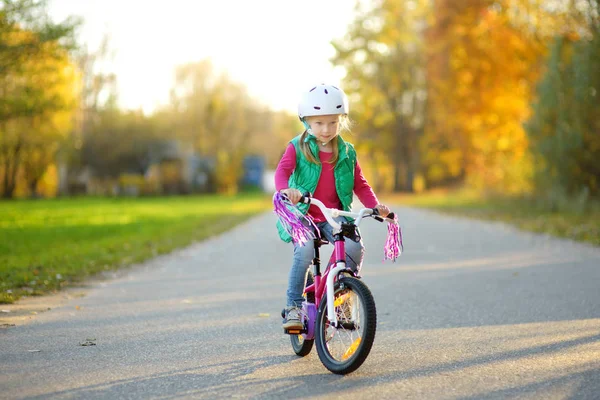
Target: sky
275,48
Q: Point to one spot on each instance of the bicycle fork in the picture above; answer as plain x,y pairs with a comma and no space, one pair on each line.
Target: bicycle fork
331,316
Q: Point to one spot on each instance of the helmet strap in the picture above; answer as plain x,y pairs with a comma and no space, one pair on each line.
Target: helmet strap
309,130
307,127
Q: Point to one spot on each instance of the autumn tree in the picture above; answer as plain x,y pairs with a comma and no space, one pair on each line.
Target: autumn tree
47,131
482,73
383,57
121,142
217,117
97,100
36,79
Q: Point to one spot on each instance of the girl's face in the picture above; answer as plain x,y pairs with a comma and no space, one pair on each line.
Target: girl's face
324,127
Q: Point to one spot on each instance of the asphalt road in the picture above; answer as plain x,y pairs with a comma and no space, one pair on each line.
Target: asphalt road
471,310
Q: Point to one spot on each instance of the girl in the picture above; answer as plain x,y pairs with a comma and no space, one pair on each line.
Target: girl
319,161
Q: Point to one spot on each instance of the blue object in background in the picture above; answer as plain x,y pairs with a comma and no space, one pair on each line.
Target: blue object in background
254,168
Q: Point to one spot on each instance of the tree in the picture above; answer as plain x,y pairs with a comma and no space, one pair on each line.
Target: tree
218,119
97,97
47,132
383,56
482,66
564,129
35,82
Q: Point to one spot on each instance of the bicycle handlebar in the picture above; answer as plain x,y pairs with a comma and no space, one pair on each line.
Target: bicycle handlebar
292,221
331,213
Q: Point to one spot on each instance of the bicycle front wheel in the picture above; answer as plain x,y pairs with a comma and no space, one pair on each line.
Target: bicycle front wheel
344,348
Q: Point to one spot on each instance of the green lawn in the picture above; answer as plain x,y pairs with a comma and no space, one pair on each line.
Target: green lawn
47,244
524,214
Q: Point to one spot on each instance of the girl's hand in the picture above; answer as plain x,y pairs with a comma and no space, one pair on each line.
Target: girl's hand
383,210
292,194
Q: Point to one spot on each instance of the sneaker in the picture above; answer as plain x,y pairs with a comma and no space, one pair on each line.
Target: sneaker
292,318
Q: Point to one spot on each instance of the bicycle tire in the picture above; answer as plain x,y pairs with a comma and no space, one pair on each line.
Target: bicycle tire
361,333
302,347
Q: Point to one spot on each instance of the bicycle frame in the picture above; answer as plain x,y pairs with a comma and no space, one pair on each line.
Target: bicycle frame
326,280
325,283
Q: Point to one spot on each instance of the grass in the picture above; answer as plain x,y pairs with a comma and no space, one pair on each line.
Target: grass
525,214
49,244
46,245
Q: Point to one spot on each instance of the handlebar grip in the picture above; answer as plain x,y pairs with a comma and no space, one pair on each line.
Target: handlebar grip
376,215
381,219
305,198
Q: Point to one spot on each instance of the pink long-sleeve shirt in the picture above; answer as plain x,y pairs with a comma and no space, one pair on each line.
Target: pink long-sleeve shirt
325,190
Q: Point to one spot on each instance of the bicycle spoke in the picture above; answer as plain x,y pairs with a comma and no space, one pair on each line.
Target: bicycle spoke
342,342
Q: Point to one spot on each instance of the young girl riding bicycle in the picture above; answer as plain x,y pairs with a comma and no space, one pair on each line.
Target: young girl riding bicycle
321,162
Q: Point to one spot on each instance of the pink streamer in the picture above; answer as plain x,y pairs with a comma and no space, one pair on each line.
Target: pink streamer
292,220
393,245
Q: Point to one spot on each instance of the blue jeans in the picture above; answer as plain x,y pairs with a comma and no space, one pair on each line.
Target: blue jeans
303,256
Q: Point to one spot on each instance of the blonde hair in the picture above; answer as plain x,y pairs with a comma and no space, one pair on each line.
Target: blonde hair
344,125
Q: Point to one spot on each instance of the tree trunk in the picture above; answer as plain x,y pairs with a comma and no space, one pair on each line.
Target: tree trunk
9,181
5,180
10,172
8,184
397,175
410,177
63,172
400,150
409,158
33,193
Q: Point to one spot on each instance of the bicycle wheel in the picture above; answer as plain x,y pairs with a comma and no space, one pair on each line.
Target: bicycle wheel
301,346
344,349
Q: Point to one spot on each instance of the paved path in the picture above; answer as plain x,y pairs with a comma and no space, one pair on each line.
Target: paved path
472,310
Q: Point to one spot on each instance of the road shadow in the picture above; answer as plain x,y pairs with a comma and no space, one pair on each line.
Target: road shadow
214,381
251,378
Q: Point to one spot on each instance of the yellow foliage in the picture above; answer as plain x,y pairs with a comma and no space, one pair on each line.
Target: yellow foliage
132,184
42,92
227,172
483,96
376,167
131,180
419,184
48,185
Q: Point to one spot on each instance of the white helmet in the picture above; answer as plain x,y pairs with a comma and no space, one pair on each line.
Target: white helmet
323,100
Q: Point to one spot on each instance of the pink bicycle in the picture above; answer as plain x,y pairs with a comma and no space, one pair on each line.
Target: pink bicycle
339,310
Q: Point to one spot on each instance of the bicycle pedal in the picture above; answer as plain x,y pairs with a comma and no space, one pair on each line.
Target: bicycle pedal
292,331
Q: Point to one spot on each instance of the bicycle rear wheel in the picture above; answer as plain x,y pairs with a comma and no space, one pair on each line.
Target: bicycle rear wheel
301,346
344,349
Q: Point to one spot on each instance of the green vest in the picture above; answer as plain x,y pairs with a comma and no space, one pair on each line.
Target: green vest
306,175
